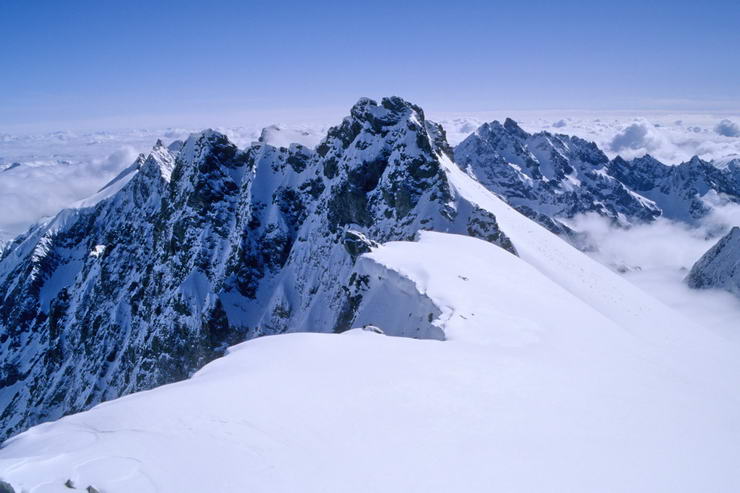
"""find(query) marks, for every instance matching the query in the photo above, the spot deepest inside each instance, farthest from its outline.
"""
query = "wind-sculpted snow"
(720, 266)
(200, 245)
(549, 177)
(550, 379)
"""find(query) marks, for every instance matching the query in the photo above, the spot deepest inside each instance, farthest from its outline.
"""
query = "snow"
(540, 386)
(670, 137)
(62, 277)
(285, 136)
(720, 266)
(97, 251)
(541, 371)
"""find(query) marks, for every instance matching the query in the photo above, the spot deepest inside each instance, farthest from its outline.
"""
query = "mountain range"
(549, 177)
(200, 245)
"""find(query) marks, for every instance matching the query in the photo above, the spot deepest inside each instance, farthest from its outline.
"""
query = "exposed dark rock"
(357, 243)
(719, 267)
(208, 245)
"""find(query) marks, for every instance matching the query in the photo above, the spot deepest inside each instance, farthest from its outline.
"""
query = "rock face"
(200, 245)
(720, 266)
(548, 177)
(679, 191)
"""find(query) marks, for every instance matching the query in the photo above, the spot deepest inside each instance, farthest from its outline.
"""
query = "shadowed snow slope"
(560, 379)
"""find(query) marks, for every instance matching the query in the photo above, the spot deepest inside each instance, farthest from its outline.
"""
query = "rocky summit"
(549, 177)
(720, 266)
(200, 245)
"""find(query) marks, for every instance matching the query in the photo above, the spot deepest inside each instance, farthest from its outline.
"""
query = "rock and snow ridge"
(720, 266)
(551, 364)
(541, 361)
(207, 245)
(549, 177)
(548, 174)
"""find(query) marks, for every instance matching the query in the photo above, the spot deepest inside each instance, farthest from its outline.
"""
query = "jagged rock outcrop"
(680, 191)
(720, 266)
(200, 245)
(548, 176)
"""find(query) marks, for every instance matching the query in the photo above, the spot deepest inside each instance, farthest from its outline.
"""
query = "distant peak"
(362, 107)
(646, 160)
(395, 103)
(391, 109)
(212, 134)
(697, 161)
(509, 127)
(513, 128)
(159, 161)
(12, 166)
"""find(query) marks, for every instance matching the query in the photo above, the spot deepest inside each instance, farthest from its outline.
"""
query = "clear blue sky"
(138, 62)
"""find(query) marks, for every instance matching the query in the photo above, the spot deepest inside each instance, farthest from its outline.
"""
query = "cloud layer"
(658, 256)
(669, 137)
(32, 190)
(40, 174)
(728, 128)
(60, 168)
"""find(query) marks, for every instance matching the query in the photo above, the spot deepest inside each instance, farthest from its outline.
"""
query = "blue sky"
(206, 63)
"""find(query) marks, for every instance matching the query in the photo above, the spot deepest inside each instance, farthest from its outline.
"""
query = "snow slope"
(205, 246)
(555, 375)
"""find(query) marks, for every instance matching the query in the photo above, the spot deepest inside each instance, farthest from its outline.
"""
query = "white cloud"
(559, 124)
(728, 128)
(60, 168)
(670, 137)
(638, 136)
(658, 256)
(41, 188)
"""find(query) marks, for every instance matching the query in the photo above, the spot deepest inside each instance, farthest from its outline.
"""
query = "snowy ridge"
(549, 177)
(684, 192)
(519, 352)
(720, 266)
(205, 245)
(527, 368)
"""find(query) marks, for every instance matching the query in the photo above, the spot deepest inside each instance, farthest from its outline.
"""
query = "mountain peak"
(159, 162)
(390, 111)
(509, 128)
(698, 162)
(545, 175)
(513, 128)
(719, 267)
